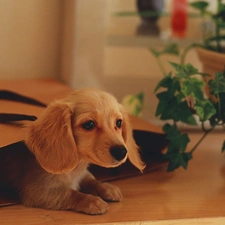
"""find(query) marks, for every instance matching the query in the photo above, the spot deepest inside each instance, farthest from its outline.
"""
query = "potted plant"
(181, 93)
(211, 51)
(182, 98)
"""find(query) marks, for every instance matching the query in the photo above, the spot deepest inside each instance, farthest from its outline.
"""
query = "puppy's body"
(36, 187)
(89, 126)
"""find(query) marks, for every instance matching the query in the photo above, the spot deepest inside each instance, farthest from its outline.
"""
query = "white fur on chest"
(73, 178)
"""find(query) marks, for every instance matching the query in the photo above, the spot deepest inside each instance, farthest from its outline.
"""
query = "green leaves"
(179, 140)
(193, 87)
(204, 109)
(218, 89)
(134, 103)
(218, 18)
(170, 83)
(221, 12)
(184, 71)
(184, 95)
(168, 49)
(171, 49)
(173, 102)
(171, 108)
(155, 52)
(181, 96)
(218, 85)
(179, 160)
(200, 5)
(176, 149)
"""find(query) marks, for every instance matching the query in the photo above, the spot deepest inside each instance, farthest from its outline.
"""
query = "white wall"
(67, 53)
(68, 39)
(117, 68)
(30, 38)
(90, 28)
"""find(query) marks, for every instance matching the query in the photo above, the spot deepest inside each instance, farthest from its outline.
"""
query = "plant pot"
(212, 62)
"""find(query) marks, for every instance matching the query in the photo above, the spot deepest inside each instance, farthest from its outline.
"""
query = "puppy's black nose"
(118, 152)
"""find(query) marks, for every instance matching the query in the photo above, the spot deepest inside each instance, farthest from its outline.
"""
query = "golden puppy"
(88, 126)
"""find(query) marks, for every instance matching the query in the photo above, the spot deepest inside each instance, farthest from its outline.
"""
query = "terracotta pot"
(212, 62)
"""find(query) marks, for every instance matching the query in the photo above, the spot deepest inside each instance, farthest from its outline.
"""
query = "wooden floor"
(181, 197)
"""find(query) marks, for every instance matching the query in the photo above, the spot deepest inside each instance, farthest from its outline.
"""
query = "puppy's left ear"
(133, 149)
(51, 139)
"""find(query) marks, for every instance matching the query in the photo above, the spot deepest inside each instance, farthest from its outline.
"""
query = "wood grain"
(157, 196)
(193, 196)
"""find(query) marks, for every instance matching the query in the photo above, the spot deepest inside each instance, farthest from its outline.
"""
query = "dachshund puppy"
(88, 126)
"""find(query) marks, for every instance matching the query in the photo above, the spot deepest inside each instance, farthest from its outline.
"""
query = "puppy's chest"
(73, 178)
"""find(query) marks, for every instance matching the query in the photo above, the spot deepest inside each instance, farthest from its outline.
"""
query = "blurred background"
(86, 43)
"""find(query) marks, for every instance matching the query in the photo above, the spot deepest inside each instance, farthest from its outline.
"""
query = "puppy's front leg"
(105, 190)
(65, 199)
(87, 203)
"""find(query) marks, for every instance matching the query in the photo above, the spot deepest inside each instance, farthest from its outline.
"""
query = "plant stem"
(219, 106)
(161, 66)
(185, 52)
(200, 140)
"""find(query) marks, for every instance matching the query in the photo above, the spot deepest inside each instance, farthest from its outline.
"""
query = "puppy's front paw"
(109, 192)
(92, 205)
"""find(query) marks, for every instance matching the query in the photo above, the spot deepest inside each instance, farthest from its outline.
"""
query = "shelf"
(132, 32)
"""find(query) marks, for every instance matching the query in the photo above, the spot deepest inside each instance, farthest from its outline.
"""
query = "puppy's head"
(88, 125)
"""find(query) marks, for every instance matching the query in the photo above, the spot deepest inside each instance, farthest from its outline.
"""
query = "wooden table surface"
(192, 196)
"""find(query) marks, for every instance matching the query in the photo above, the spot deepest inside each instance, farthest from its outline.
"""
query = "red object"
(179, 17)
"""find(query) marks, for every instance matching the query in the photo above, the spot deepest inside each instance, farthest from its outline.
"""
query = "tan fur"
(57, 177)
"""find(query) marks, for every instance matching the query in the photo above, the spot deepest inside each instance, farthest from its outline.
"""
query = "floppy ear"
(133, 149)
(51, 140)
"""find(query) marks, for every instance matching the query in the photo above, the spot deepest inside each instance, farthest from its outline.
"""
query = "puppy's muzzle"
(118, 152)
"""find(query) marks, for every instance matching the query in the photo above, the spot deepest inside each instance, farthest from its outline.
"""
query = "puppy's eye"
(119, 123)
(89, 125)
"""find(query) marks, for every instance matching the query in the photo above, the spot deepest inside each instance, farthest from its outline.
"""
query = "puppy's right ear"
(51, 139)
(133, 149)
